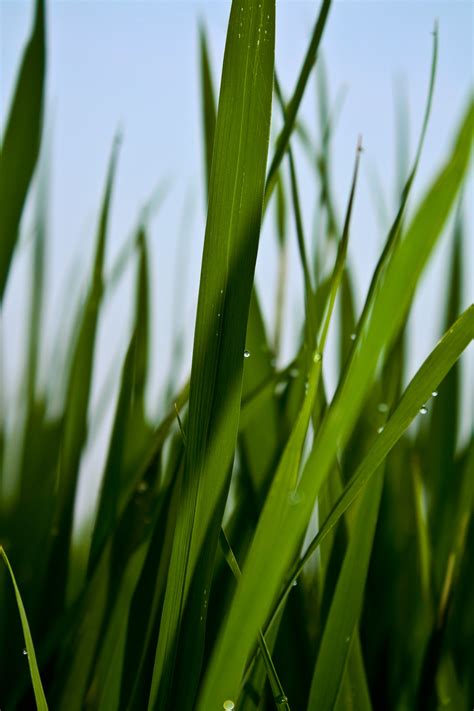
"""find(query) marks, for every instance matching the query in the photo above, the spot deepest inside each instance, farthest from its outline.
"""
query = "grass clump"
(199, 587)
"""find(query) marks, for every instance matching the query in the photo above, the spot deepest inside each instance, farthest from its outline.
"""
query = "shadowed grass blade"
(30, 650)
(21, 141)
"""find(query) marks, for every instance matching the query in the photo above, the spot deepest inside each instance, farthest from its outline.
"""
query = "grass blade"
(21, 140)
(30, 650)
(230, 248)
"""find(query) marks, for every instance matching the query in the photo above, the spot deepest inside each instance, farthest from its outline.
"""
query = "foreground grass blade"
(278, 532)
(230, 249)
(30, 650)
(21, 141)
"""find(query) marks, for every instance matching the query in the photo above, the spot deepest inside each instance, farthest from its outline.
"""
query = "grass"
(206, 583)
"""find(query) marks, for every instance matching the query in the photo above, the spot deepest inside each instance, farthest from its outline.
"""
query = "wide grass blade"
(29, 647)
(230, 249)
(21, 140)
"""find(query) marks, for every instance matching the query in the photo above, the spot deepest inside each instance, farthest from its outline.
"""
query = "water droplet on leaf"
(246, 354)
(423, 410)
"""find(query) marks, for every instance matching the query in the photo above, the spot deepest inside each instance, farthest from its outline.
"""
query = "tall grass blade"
(230, 249)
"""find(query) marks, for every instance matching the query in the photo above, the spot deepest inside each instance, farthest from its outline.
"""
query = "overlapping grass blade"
(427, 379)
(279, 531)
(295, 101)
(21, 140)
(283, 494)
(75, 424)
(230, 248)
(29, 647)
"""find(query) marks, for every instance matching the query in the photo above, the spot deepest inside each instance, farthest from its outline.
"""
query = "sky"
(134, 67)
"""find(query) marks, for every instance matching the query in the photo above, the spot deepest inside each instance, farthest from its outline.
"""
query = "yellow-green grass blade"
(277, 536)
(30, 650)
(428, 378)
(77, 400)
(21, 140)
(230, 247)
(295, 101)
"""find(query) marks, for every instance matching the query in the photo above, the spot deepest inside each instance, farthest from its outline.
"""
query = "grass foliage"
(208, 581)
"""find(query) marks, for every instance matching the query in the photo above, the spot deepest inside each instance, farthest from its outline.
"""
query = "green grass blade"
(208, 103)
(30, 650)
(75, 426)
(346, 604)
(295, 101)
(21, 140)
(129, 431)
(230, 247)
(427, 379)
(275, 683)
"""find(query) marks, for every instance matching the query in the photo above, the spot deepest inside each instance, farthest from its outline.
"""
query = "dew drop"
(434, 393)
(25, 653)
(316, 357)
(423, 410)
(281, 699)
(352, 336)
(229, 705)
(380, 429)
(348, 639)
(246, 354)
(382, 407)
(294, 583)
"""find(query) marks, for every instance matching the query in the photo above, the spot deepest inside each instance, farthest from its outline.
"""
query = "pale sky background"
(135, 65)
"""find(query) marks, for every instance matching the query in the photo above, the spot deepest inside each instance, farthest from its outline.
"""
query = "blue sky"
(134, 65)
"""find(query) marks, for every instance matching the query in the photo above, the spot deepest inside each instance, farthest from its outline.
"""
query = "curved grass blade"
(30, 650)
(230, 248)
(427, 379)
(21, 140)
